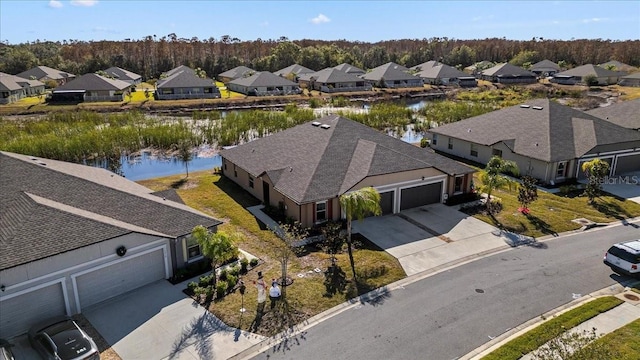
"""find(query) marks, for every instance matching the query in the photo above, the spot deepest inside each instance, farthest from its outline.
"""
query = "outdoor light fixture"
(2, 288)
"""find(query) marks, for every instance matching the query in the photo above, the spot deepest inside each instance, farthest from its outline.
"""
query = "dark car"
(5, 350)
(60, 338)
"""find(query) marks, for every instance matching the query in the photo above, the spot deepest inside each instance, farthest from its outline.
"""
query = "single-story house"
(264, 83)
(442, 74)
(124, 75)
(476, 68)
(303, 170)
(508, 74)
(91, 87)
(29, 86)
(185, 84)
(619, 67)
(72, 236)
(630, 80)
(10, 91)
(45, 73)
(292, 72)
(625, 113)
(392, 75)
(547, 140)
(350, 69)
(175, 70)
(332, 80)
(424, 66)
(578, 74)
(235, 73)
(545, 68)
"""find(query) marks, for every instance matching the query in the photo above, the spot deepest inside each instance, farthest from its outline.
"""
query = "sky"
(364, 20)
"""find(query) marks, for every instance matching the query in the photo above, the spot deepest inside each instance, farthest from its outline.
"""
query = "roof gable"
(350, 69)
(237, 72)
(293, 69)
(545, 65)
(122, 74)
(40, 72)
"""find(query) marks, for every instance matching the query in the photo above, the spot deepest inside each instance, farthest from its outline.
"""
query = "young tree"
(356, 205)
(492, 177)
(185, 153)
(218, 247)
(291, 236)
(333, 240)
(596, 171)
(527, 193)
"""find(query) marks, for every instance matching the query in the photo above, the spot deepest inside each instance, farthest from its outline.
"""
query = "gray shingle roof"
(348, 68)
(40, 72)
(588, 69)
(390, 72)
(620, 66)
(554, 133)
(184, 79)
(178, 69)
(308, 163)
(441, 71)
(425, 65)
(263, 78)
(22, 81)
(294, 69)
(9, 84)
(332, 76)
(93, 82)
(507, 69)
(545, 65)
(122, 74)
(50, 207)
(625, 114)
(237, 72)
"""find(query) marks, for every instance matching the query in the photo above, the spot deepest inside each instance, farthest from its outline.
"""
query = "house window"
(450, 146)
(458, 184)
(193, 249)
(251, 181)
(474, 150)
(321, 211)
(496, 152)
(434, 141)
(561, 171)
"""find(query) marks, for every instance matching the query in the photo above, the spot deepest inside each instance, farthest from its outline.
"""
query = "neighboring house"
(350, 69)
(545, 68)
(292, 72)
(303, 170)
(630, 80)
(625, 113)
(442, 74)
(508, 74)
(10, 91)
(185, 84)
(476, 68)
(72, 236)
(619, 67)
(124, 75)
(579, 74)
(29, 86)
(547, 140)
(235, 73)
(392, 75)
(332, 80)
(181, 68)
(263, 83)
(424, 66)
(45, 73)
(91, 87)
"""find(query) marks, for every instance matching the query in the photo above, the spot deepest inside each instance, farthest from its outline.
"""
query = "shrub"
(231, 281)
(424, 142)
(223, 274)
(590, 80)
(204, 281)
(235, 270)
(314, 103)
(567, 189)
(253, 262)
(192, 285)
(221, 289)
(244, 264)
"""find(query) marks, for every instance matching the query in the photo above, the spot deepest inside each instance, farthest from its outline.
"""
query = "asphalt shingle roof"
(178, 69)
(425, 65)
(625, 114)
(22, 81)
(9, 84)
(390, 72)
(588, 69)
(441, 71)
(545, 65)
(237, 72)
(184, 79)
(50, 207)
(263, 78)
(308, 163)
(332, 75)
(293, 69)
(553, 133)
(93, 82)
(122, 74)
(348, 68)
(40, 72)
(507, 69)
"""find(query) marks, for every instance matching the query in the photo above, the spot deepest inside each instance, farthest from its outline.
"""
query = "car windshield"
(69, 340)
(624, 255)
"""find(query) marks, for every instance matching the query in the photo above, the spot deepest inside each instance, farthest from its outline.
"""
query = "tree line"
(152, 55)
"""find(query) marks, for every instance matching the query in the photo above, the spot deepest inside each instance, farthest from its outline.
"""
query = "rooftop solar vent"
(525, 106)
(315, 123)
(325, 126)
(537, 107)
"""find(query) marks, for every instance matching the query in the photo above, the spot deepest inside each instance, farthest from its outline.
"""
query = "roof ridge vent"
(315, 123)
(325, 126)
(537, 108)
(525, 106)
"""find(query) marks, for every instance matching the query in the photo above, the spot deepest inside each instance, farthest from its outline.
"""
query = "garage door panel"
(420, 195)
(21, 312)
(627, 164)
(121, 277)
(386, 202)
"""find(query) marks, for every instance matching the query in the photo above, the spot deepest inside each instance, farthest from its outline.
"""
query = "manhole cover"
(632, 297)
(480, 291)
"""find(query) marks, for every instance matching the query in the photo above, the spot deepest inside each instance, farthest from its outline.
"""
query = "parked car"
(624, 258)
(60, 338)
(5, 350)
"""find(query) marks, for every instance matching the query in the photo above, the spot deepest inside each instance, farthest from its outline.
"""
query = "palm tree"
(358, 204)
(492, 177)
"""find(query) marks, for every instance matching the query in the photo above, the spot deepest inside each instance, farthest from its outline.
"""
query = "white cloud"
(594, 20)
(55, 4)
(83, 2)
(264, 24)
(320, 19)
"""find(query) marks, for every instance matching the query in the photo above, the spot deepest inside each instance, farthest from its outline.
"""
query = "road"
(447, 315)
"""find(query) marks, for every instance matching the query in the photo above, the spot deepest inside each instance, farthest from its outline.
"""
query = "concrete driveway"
(624, 186)
(430, 236)
(158, 321)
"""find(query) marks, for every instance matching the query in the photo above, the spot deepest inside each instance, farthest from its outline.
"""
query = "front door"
(265, 193)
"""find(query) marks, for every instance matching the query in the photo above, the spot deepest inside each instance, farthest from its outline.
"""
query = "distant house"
(10, 91)
(392, 75)
(545, 68)
(350, 69)
(630, 80)
(476, 68)
(29, 86)
(124, 75)
(424, 66)
(183, 83)
(625, 113)
(45, 73)
(442, 74)
(235, 73)
(508, 74)
(91, 87)
(621, 68)
(292, 72)
(332, 80)
(263, 83)
(181, 68)
(547, 140)
(578, 75)
(304, 169)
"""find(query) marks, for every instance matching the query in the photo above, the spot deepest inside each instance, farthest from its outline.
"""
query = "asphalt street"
(447, 315)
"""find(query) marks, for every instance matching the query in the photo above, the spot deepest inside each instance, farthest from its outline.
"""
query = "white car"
(624, 258)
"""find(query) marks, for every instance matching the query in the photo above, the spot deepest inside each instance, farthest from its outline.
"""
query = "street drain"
(630, 297)
(480, 291)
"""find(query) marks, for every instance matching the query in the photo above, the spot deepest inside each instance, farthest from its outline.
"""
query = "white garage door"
(19, 313)
(123, 275)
